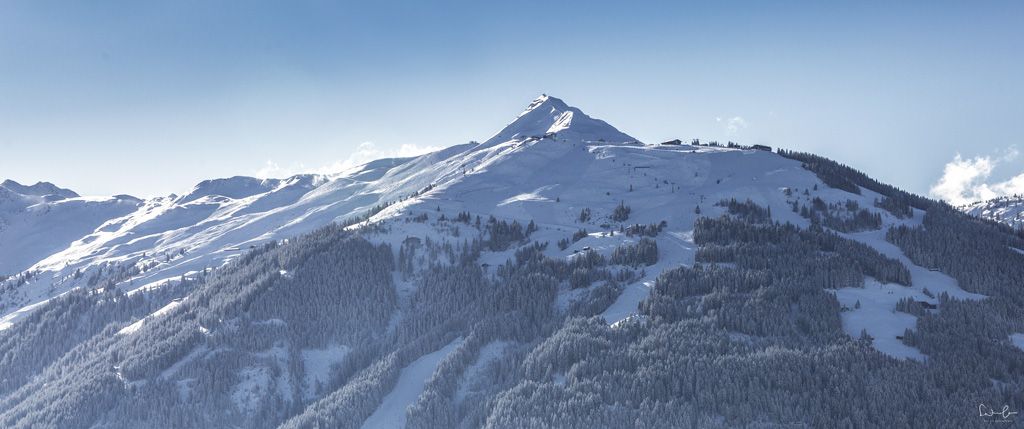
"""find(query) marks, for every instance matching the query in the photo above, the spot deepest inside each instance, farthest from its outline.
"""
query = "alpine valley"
(559, 274)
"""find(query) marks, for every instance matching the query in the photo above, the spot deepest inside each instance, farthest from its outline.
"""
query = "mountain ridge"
(40, 189)
(1008, 210)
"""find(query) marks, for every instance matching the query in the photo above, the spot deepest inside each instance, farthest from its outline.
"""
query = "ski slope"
(411, 380)
(877, 313)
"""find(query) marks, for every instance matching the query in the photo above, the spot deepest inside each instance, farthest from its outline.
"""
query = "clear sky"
(149, 98)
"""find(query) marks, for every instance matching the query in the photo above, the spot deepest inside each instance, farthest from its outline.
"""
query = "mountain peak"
(545, 101)
(552, 117)
(40, 189)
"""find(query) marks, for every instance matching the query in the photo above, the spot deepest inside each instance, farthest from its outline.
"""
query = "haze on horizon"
(149, 99)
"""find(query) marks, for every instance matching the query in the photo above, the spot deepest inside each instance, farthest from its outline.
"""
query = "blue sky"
(149, 98)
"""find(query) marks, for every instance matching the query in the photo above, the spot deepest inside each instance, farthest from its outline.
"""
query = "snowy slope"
(411, 380)
(167, 237)
(134, 327)
(1008, 210)
(546, 166)
(317, 364)
(40, 189)
(39, 220)
(872, 308)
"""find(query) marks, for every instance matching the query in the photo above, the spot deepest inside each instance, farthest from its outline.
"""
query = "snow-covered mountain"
(46, 190)
(550, 117)
(559, 274)
(210, 224)
(1008, 210)
(39, 220)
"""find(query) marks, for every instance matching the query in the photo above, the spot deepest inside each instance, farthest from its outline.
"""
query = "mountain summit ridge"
(549, 116)
(40, 189)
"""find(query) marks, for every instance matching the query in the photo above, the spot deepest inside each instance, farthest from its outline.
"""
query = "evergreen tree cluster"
(648, 230)
(564, 243)
(978, 253)
(898, 205)
(729, 240)
(747, 211)
(644, 252)
(844, 217)
(841, 176)
(621, 212)
(502, 234)
(584, 215)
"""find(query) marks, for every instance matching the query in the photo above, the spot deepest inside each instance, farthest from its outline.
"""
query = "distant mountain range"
(40, 220)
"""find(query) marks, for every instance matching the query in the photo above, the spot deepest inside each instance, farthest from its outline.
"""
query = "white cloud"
(271, 169)
(366, 152)
(967, 180)
(733, 125)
